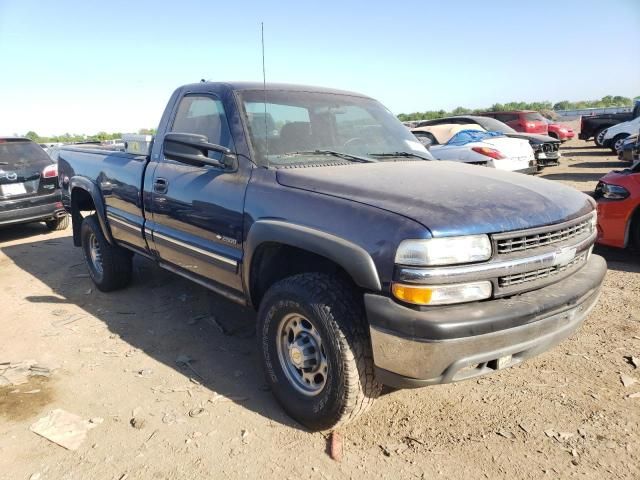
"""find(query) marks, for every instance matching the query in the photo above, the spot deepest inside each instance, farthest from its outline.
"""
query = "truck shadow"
(164, 316)
(605, 164)
(591, 153)
(17, 232)
(622, 260)
(574, 177)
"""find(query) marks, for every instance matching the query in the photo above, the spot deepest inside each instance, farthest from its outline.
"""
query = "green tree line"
(76, 138)
(545, 107)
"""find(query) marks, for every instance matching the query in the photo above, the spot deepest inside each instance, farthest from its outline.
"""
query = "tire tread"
(340, 302)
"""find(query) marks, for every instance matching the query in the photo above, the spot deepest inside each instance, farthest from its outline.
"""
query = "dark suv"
(29, 190)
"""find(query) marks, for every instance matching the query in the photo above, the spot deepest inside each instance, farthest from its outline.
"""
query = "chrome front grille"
(523, 242)
(518, 278)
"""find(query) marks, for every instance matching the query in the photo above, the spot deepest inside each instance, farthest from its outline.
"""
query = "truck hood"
(448, 198)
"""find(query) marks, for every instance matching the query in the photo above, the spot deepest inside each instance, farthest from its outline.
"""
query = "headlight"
(594, 221)
(614, 192)
(444, 251)
(442, 294)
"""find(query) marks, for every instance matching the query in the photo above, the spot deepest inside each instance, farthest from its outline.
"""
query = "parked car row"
(614, 137)
(546, 150)
(609, 128)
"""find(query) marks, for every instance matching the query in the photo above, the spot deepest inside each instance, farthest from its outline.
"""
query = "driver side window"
(203, 115)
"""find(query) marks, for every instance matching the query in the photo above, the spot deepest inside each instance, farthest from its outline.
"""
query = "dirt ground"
(564, 414)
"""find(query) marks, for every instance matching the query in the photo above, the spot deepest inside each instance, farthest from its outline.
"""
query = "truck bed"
(119, 177)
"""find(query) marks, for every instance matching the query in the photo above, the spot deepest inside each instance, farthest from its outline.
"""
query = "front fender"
(355, 260)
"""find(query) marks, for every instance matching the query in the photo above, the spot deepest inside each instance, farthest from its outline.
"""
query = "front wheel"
(109, 265)
(316, 350)
(618, 140)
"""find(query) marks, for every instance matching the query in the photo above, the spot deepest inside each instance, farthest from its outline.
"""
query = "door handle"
(160, 185)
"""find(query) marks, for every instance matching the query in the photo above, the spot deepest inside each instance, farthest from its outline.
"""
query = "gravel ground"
(564, 414)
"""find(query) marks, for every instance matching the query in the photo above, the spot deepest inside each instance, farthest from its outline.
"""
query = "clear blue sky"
(83, 66)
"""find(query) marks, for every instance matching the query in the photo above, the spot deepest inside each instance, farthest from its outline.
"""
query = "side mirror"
(194, 149)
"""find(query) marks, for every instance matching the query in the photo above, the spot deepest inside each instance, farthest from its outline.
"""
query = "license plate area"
(12, 189)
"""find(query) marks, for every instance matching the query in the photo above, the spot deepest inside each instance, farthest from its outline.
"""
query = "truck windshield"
(301, 128)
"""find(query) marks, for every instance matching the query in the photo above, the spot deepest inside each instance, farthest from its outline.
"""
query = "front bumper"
(547, 159)
(414, 348)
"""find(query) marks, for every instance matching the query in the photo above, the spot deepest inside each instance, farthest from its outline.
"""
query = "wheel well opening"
(80, 201)
(273, 262)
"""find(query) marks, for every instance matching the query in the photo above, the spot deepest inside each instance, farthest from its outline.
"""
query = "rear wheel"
(316, 350)
(109, 265)
(60, 223)
(598, 137)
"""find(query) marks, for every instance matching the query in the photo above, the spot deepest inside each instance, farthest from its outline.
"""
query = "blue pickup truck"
(368, 264)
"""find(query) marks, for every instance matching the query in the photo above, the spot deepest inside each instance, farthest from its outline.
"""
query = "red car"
(560, 131)
(528, 121)
(618, 198)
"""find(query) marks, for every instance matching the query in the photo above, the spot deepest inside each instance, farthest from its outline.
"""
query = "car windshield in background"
(493, 125)
(317, 128)
(534, 117)
(22, 156)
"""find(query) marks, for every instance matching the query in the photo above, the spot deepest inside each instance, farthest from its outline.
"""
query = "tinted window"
(533, 117)
(20, 156)
(493, 125)
(203, 115)
(506, 117)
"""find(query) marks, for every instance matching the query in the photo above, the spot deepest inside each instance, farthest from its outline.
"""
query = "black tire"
(60, 223)
(115, 262)
(614, 140)
(596, 134)
(334, 309)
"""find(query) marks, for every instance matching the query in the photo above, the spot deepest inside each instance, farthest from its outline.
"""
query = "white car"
(460, 143)
(614, 136)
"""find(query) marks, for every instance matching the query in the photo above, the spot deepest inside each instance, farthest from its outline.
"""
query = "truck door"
(197, 212)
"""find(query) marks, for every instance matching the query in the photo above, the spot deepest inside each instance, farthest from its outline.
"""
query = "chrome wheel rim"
(95, 255)
(301, 354)
(618, 145)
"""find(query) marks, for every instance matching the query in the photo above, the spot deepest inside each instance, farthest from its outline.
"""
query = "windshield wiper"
(346, 156)
(398, 154)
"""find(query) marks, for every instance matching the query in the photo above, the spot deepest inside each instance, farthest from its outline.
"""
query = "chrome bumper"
(414, 348)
